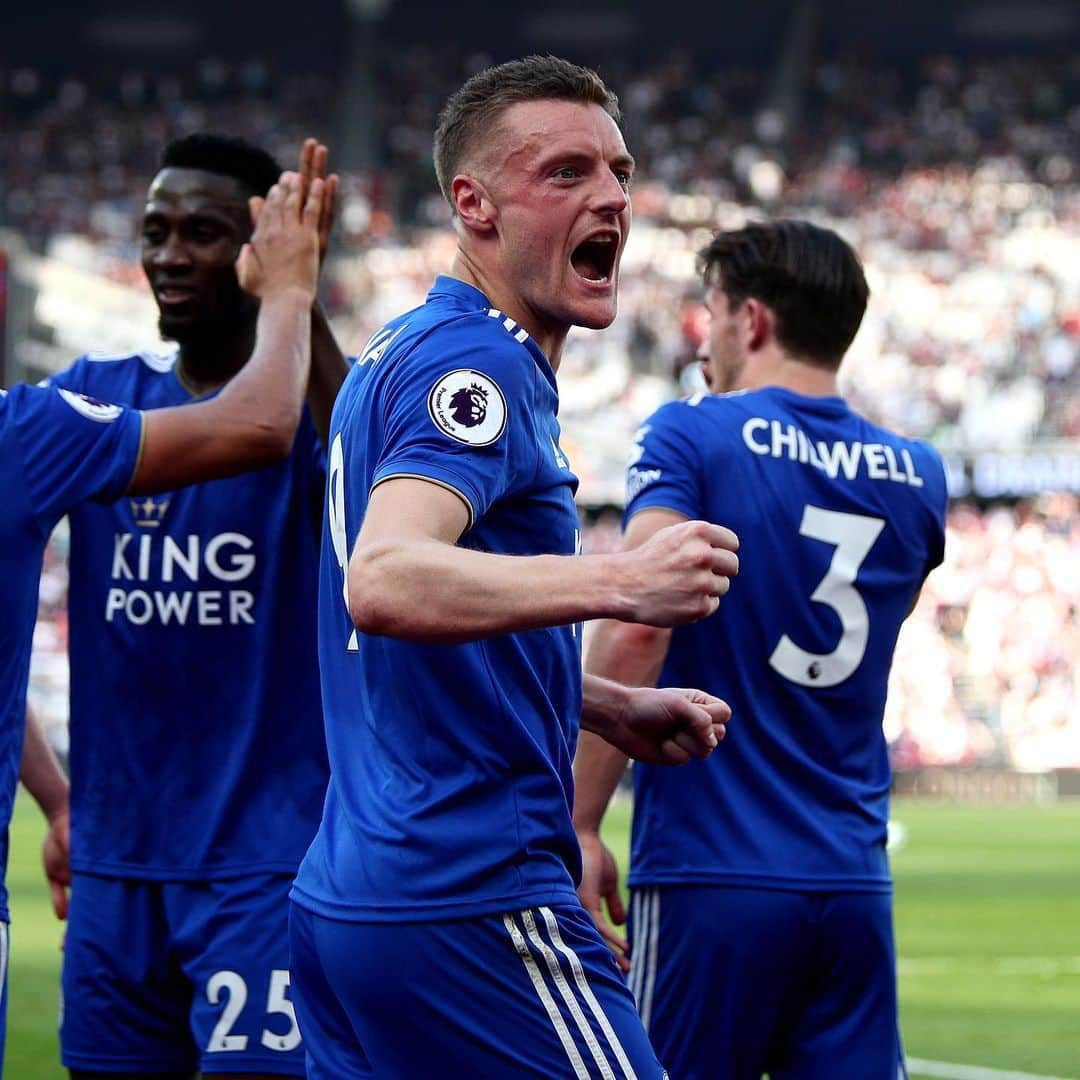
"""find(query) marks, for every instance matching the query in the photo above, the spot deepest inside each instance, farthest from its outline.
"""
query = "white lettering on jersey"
(771, 438)
(146, 558)
(560, 460)
(379, 343)
(637, 480)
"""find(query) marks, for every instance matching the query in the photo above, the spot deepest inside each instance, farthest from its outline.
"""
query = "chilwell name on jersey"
(876, 461)
(155, 560)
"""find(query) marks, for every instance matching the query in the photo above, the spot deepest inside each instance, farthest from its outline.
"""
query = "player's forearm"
(598, 767)
(629, 653)
(328, 371)
(439, 593)
(251, 423)
(265, 398)
(40, 772)
(621, 655)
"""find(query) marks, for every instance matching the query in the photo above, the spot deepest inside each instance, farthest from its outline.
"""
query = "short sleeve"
(457, 412)
(73, 448)
(663, 468)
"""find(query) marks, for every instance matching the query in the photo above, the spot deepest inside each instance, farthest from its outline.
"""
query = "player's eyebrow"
(584, 158)
(218, 214)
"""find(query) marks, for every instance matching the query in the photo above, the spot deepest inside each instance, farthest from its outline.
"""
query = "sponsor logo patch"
(91, 408)
(468, 406)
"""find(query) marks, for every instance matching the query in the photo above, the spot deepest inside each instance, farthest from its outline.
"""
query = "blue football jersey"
(196, 730)
(839, 522)
(451, 785)
(56, 450)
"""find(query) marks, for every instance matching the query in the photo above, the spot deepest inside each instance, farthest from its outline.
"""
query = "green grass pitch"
(988, 927)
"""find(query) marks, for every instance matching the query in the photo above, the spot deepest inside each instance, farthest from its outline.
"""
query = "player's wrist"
(617, 584)
(56, 809)
(285, 293)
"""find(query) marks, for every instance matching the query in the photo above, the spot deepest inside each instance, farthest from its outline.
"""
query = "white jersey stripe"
(556, 1018)
(522, 336)
(652, 913)
(639, 945)
(567, 995)
(587, 993)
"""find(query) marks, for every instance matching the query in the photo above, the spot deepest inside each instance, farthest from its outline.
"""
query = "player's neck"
(204, 366)
(549, 340)
(798, 376)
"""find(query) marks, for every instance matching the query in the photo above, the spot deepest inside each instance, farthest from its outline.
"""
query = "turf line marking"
(1011, 965)
(942, 1070)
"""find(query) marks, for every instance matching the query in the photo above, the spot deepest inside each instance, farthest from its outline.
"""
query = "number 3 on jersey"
(335, 512)
(853, 536)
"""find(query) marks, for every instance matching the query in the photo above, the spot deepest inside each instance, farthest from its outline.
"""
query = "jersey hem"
(196, 873)
(761, 881)
(133, 1065)
(428, 912)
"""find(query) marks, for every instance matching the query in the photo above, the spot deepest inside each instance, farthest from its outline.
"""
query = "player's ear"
(472, 204)
(758, 323)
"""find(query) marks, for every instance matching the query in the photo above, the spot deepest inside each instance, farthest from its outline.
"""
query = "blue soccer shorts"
(531, 993)
(178, 976)
(737, 982)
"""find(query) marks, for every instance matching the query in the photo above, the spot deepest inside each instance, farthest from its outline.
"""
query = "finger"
(719, 711)
(59, 899)
(272, 204)
(307, 162)
(293, 207)
(695, 740)
(616, 911)
(619, 944)
(720, 537)
(329, 206)
(724, 562)
(693, 744)
(720, 732)
(255, 205)
(720, 585)
(671, 753)
(319, 158)
(312, 212)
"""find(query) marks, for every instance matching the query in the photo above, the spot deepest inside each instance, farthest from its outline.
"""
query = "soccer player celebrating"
(198, 761)
(760, 916)
(435, 928)
(59, 448)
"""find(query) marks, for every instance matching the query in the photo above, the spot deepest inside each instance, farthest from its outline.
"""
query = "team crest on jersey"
(91, 408)
(468, 406)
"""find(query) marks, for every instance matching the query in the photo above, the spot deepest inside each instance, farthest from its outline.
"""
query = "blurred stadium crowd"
(957, 181)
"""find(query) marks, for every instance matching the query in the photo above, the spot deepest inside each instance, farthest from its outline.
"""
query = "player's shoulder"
(101, 369)
(442, 340)
(48, 403)
(699, 411)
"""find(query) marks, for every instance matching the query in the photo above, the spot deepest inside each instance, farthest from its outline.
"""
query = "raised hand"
(679, 574)
(312, 166)
(283, 252)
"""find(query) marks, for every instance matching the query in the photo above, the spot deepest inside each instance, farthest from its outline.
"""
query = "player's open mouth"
(594, 259)
(174, 294)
